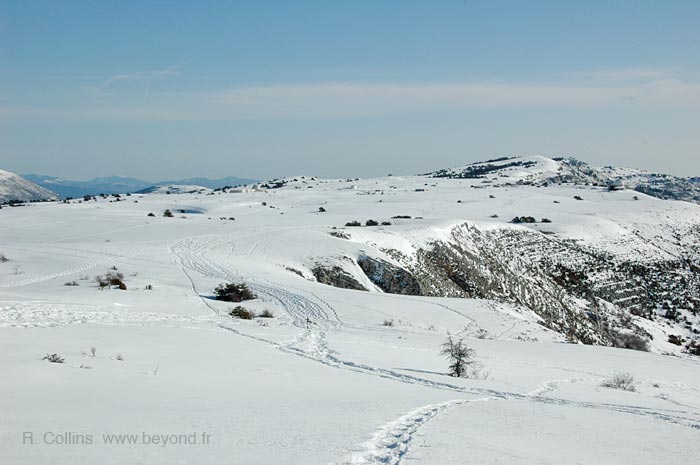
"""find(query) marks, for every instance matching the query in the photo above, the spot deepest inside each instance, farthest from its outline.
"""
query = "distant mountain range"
(121, 185)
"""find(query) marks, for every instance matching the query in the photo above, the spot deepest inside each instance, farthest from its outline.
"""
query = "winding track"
(392, 440)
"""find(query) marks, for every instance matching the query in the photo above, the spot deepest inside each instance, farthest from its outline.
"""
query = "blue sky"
(263, 89)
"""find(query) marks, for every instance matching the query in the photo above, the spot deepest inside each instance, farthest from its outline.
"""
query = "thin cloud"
(352, 99)
(628, 74)
(139, 76)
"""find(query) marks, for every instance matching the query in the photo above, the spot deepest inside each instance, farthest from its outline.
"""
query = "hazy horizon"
(358, 89)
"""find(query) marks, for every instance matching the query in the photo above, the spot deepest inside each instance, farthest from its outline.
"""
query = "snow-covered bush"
(631, 341)
(620, 380)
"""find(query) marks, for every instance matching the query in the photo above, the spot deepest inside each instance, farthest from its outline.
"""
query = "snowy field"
(324, 381)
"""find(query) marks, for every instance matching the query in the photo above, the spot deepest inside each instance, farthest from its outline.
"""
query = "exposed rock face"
(389, 278)
(621, 293)
(337, 277)
(589, 295)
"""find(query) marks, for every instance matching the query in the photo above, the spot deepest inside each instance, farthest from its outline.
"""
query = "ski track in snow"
(390, 443)
(49, 314)
(105, 258)
(312, 343)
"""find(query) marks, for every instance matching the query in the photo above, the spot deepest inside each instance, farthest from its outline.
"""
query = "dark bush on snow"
(371, 223)
(111, 278)
(232, 292)
(523, 219)
(54, 358)
(353, 223)
(242, 313)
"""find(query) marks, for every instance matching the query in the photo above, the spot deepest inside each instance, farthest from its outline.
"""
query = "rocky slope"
(543, 171)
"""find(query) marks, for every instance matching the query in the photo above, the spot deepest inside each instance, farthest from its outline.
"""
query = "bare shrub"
(462, 358)
(388, 323)
(620, 380)
(3, 258)
(266, 314)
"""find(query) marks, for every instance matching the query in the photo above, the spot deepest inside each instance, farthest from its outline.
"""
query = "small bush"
(620, 380)
(168, 214)
(402, 217)
(54, 358)
(232, 292)
(386, 223)
(353, 223)
(673, 339)
(266, 314)
(321, 210)
(577, 197)
(242, 313)
(149, 287)
(72, 283)
(371, 223)
(546, 220)
(388, 323)
(3, 258)
(151, 214)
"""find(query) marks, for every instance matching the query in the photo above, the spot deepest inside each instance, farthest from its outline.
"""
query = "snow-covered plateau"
(553, 273)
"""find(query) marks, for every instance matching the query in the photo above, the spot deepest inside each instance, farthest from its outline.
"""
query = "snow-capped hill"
(14, 187)
(539, 170)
